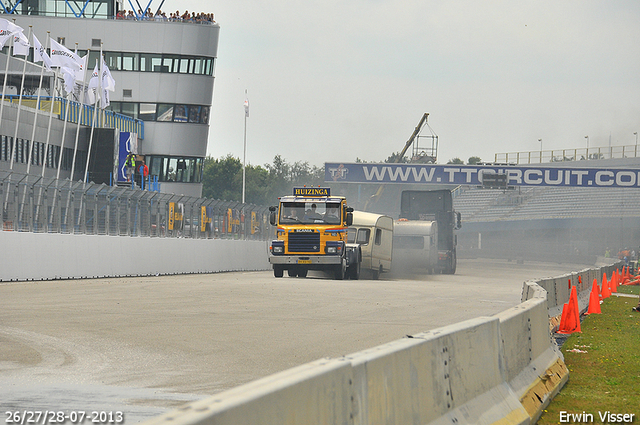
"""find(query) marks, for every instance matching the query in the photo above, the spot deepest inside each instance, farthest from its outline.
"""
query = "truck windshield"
(310, 213)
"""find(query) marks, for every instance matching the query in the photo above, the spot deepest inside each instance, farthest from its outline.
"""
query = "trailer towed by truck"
(374, 234)
(435, 205)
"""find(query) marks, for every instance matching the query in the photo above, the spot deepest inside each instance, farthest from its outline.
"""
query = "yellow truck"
(311, 234)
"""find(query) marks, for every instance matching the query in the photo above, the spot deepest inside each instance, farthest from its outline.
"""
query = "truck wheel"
(451, 267)
(354, 271)
(302, 273)
(278, 271)
(292, 272)
(339, 272)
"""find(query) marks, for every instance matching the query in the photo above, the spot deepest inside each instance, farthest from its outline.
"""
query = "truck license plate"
(304, 261)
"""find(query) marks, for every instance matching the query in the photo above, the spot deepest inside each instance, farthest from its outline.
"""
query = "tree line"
(222, 177)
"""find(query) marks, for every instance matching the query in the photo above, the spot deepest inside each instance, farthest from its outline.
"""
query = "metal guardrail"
(48, 205)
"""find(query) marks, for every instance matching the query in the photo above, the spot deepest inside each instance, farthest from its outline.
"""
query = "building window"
(130, 62)
(147, 112)
(176, 169)
(180, 113)
(163, 112)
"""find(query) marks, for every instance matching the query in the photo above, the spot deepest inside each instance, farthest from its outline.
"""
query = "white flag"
(92, 88)
(40, 53)
(69, 76)
(7, 29)
(104, 101)
(20, 44)
(108, 83)
(246, 107)
(63, 57)
(80, 72)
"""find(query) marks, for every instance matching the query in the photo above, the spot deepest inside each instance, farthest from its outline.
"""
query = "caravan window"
(359, 236)
(378, 236)
(363, 236)
(408, 242)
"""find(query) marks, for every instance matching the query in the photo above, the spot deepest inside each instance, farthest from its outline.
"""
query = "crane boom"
(374, 198)
(413, 136)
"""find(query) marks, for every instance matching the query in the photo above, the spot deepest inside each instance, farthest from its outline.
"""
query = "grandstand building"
(164, 73)
(550, 223)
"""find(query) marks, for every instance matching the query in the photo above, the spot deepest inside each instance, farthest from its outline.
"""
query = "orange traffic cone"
(605, 292)
(613, 285)
(570, 321)
(562, 327)
(627, 276)
(594, 299)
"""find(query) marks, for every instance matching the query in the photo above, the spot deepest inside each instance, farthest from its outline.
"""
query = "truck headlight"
(333, 248)
(277, 247)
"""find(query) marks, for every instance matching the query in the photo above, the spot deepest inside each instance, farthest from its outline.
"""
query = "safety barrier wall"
(485, 370)
(559, 288)
(504, 368)
(41, 256)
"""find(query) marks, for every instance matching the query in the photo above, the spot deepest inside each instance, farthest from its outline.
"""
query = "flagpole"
(75, 148)
(35, 119)
(95, 112)
(33, 131)
(46, 145)
(244, 157)
(80, 109)
(4, 90)
(6, 74)
(52, 96)
(24, 71)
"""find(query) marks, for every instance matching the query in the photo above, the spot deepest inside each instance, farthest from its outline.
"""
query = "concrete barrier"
(38, 256)
(319, 392)
(501, 369)
(533, 364)
(559, 288)
(448, 375)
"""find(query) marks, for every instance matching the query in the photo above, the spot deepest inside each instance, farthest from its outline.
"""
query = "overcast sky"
(332, 81)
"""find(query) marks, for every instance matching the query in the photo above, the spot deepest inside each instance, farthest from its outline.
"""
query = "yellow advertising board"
(204, 220)
(172, 210)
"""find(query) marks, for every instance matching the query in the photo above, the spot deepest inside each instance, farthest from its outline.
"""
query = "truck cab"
(311, 234)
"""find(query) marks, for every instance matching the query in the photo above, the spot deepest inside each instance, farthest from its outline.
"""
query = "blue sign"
(472, 175)
(128, 143)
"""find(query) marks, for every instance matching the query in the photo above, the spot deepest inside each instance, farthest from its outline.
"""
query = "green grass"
(607, 376)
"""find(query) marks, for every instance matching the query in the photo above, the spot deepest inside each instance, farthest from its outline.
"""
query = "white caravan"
(415, 245)
(374, 234)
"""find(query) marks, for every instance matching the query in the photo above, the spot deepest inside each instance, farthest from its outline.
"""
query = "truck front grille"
(304, 242)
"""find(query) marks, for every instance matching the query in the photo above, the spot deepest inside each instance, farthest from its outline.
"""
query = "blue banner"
(472, 175)
(128, 143)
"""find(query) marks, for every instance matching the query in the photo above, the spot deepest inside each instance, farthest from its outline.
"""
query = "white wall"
(34, 256)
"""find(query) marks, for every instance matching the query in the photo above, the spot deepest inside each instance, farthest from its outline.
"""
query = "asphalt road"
(145, 345)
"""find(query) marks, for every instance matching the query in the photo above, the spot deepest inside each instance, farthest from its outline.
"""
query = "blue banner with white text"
(454, 174)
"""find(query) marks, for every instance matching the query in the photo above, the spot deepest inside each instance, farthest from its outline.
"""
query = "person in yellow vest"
(129, 165)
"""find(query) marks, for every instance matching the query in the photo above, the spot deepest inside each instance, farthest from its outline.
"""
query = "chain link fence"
(48, 205)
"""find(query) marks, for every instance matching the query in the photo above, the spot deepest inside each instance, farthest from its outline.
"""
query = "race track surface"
(145, 345)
